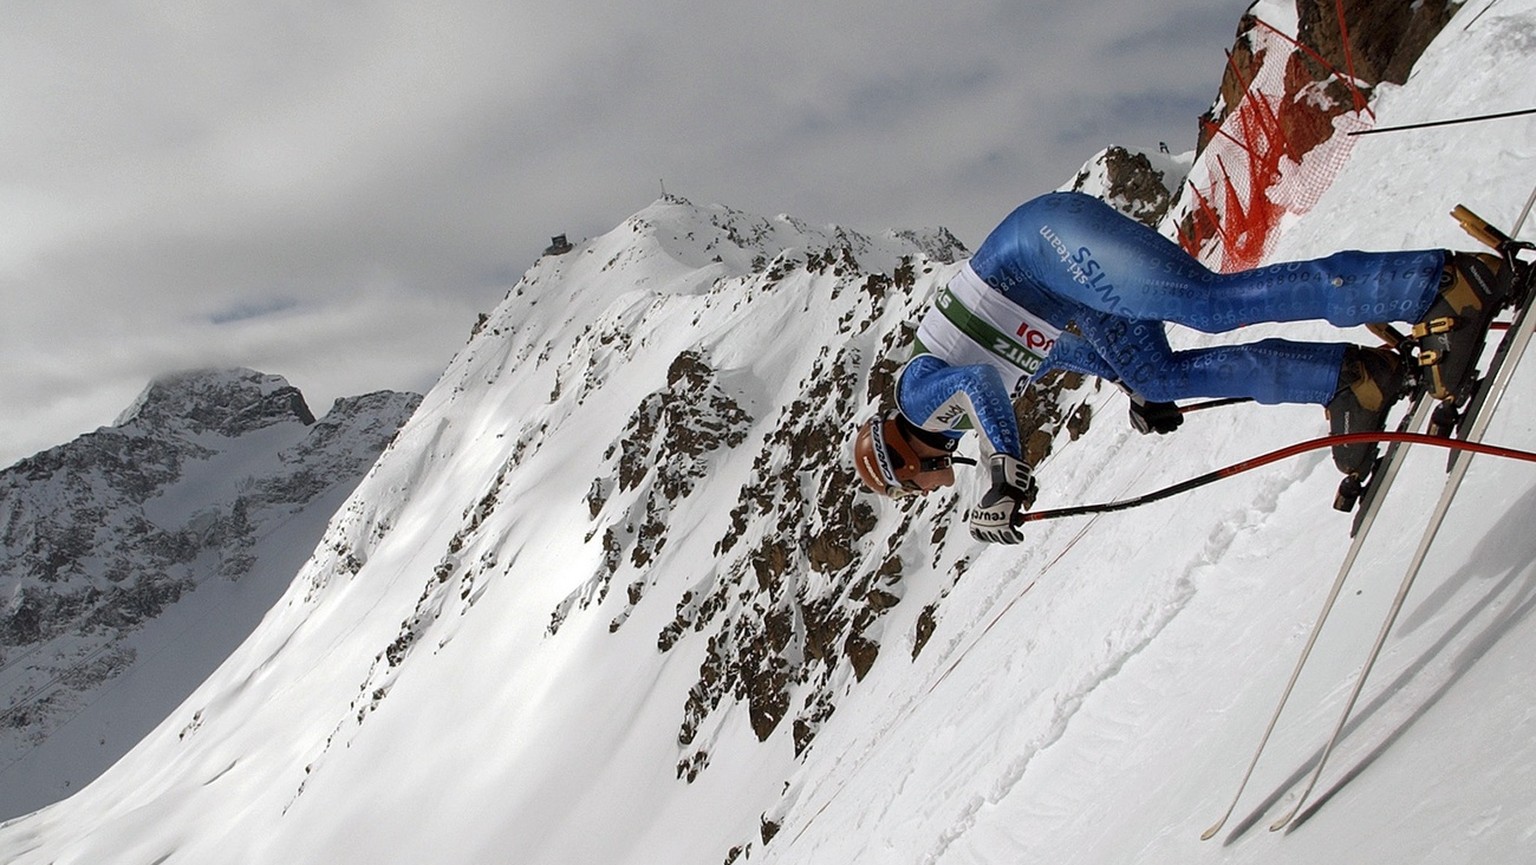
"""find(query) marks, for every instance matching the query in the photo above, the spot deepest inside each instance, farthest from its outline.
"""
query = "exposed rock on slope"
(1140, 185)
(1383, 42)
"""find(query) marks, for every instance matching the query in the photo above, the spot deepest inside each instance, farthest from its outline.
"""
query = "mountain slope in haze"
(674, 392)
(207, 478)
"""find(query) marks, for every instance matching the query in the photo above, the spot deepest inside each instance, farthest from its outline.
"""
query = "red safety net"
(1275, 154)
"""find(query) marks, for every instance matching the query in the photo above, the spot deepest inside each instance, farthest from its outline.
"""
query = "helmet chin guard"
(895, 458)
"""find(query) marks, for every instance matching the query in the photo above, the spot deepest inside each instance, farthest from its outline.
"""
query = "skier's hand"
(1013, 490)
(1154, 417)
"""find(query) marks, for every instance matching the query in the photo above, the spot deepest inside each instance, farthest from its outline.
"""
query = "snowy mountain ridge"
(207, 477)
(694, 341)
(613, 594)
(229, 402)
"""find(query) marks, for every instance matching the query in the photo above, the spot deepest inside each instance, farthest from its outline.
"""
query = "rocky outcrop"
(665, 449)
(1131, 182)
(1282, 126)
(1383, 40)
(1375, 43)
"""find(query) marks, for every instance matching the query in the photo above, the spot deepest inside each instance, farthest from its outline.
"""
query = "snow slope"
(595, 565)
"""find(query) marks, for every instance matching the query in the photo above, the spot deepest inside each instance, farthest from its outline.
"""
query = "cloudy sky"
(331, 190)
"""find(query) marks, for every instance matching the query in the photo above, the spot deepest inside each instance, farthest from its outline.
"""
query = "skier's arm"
(939, 397)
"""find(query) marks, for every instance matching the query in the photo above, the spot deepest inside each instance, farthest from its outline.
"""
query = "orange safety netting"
(1275, 154)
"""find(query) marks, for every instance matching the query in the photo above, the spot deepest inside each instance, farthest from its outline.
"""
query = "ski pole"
(1214, 403)
(1272, 457)
(1448, 122)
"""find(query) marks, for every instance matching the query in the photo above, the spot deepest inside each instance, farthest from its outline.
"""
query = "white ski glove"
(1013, 489)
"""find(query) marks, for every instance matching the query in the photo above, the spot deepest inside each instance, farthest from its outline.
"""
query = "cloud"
(255, 309)
(275, 185)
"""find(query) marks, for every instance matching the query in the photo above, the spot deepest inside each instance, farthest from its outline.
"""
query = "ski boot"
(1473, 288)
(1370, 381)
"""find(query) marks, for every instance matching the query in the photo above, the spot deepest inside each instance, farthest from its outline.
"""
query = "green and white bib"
(971, 322)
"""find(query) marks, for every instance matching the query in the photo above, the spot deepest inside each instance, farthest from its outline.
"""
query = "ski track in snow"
(1032, 571)
(1159, 612)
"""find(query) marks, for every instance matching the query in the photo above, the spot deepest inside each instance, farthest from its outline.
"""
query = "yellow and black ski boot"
(1370, 382)
(1473, 288)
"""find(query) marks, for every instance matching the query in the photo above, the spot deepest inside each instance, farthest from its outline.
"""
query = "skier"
(1067, 282)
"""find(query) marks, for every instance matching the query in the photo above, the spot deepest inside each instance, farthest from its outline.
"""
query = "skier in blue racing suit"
(1067, 260)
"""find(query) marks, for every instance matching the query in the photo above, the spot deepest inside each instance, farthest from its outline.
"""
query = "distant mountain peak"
(227, 402)
(209, 478)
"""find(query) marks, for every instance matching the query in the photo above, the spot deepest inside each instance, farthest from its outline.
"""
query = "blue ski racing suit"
(1070, 260)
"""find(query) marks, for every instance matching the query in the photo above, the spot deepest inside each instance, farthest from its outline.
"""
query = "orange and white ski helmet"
(893, 458)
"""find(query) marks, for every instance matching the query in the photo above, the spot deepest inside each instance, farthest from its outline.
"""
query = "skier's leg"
(1357, 386)
(1345, 289)
(1080, 249)
(1269, 371)
(1075, 354)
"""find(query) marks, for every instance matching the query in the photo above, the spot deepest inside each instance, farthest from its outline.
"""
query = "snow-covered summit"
(227, 402)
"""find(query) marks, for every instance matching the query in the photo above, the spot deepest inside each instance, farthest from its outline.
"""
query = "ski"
(1381, 478)
(1369, 495)
(1472, 423)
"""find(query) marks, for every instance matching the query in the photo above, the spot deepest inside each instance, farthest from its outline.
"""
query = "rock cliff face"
(1297, 87)
(1141, 185)
(102, 535)
(1374, 43)
(1377, 41)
